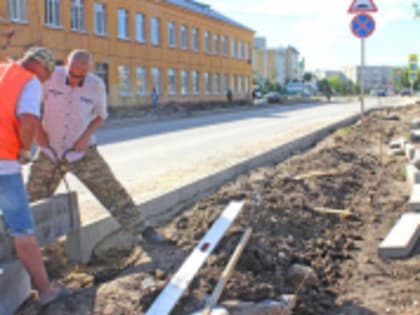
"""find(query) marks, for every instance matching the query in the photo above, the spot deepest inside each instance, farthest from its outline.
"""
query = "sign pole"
(362, 78)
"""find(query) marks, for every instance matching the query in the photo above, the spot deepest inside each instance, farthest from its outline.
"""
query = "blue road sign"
(363, 25)
(413, 76)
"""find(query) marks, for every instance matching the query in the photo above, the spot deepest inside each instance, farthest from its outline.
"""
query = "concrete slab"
(54, 217)
(402, 238)
(409, 151)
(415, 124)
(414, 202)
(415, 135)
(15, 287)
(397, 144)
(412, 175)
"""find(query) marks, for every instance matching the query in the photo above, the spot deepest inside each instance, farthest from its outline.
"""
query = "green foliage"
(404, 79)
(307, 76)
(342, 132)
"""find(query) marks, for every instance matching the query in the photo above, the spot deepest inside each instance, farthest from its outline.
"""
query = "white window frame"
(155, 31)
(184, 36)
(172, 86)
(99, 18)
(141, 81)
(247, 51)
(123, 23)
(77, 15)
(140, 28)
(246, 84)
(216, 83)
(216, 44)
(207, 39)
(195, 78)
(225, 44)
(124, 77)
(240, 90)
(194, 39)
(184, 82)
(52, 7)
(233, 47)
(207, 83)
(157, 80)
(225, 83)
(171, 34)
(18, 11)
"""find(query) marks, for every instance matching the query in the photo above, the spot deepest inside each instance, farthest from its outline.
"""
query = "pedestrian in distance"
(21, 94)
(155, 97)
(75, 107)
(229, 96)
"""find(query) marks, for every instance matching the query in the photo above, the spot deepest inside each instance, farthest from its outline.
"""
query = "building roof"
(205, 9)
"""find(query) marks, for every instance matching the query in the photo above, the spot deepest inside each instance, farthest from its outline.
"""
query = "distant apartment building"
(270, 64)
(184, 49)
(292, 63)
(373, 76)
(260, 43)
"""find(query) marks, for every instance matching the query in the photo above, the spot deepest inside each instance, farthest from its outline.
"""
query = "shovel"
(217, 292)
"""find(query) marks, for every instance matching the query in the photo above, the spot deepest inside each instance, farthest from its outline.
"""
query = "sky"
(320, 30)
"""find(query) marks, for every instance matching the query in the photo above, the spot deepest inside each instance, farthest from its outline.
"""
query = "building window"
(225, 41)
(194, 39)
(140, 31)
(233, 48)
(233, 83)
(17, 10)
(122, 24)
(184, 82)
(141, 81)
(216, 82)
(195, 77)
(246, 51)
(240, 48)
(102, 72)
(240, 84)
(125, 82)
(225, 83)
(100, 19)
(155, 29)
(247, 84)
(216, 44)
(184, 37)
(207, 83)
(207, 42)
(52, 13)
(172, 82)
(77, 15)
(171, 34)
(156, 80)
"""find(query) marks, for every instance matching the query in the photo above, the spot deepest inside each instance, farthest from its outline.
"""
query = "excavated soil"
(329, 260)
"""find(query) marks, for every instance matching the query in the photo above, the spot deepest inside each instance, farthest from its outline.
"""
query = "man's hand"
(83, 144)
(24, 156)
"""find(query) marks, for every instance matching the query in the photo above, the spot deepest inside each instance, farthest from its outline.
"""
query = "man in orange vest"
(20, 101)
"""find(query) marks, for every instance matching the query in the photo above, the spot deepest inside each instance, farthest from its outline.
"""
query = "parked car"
(405, 92)
(273, 97)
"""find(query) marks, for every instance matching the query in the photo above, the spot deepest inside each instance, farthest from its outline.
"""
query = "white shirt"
(68, 111)
(29, 103)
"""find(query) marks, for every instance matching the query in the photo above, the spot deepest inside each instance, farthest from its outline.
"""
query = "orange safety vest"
(13, 78)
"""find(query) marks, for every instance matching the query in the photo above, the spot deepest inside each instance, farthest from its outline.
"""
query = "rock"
(297, 273)
(269, 307)
(118, 241)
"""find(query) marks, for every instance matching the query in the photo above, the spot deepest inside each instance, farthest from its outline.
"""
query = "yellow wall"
(109, 49)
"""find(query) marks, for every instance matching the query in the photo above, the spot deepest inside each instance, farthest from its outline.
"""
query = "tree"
(307, 77)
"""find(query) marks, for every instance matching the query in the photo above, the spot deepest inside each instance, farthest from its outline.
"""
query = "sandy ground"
(329, 260)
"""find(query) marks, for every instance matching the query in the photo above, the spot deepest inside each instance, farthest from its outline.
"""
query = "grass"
(342, 132)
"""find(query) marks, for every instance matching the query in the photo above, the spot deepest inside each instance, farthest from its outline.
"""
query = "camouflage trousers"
(94, 172)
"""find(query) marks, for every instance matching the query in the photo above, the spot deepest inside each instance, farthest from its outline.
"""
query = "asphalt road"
(153, 158)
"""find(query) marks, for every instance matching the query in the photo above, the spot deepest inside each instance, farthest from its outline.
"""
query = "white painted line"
(168, 298)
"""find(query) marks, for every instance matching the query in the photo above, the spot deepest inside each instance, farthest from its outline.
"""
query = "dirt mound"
(328, 259)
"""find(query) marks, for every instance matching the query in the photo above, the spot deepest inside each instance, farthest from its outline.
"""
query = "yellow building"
(185, 49)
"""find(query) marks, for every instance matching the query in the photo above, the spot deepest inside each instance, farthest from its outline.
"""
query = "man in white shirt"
(75, 106)
(21, 91)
